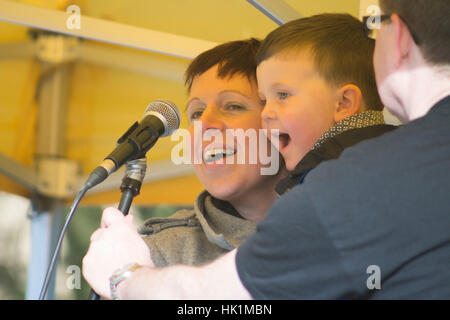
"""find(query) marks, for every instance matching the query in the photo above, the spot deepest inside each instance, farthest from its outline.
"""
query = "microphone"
(160, 119)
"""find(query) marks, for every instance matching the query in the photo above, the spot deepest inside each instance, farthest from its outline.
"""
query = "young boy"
(316, 78)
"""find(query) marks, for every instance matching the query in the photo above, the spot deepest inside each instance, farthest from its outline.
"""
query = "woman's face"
(228, 168)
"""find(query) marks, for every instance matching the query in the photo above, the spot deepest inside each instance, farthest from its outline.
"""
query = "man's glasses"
(371, 25)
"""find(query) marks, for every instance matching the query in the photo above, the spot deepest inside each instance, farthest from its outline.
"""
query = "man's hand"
(115, 244)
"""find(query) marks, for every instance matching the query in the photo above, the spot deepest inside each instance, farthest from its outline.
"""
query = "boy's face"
(298, 102)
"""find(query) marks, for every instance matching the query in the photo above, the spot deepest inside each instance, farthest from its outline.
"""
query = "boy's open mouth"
(284, 139)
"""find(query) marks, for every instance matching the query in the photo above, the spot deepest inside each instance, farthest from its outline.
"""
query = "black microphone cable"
(51, 267)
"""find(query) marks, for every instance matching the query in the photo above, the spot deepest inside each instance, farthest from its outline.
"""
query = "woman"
(223, 96)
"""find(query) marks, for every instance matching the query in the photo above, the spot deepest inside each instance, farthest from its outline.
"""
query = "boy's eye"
(283, 95)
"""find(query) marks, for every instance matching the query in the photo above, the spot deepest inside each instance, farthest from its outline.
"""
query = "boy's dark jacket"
(329, 149)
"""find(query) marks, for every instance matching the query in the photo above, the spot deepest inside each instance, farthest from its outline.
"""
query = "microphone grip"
(125, 201)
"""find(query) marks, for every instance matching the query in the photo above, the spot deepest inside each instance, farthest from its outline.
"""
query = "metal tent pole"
(57, 176)
(276, 10)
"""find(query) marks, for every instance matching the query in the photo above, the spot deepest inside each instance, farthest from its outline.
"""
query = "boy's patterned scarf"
(358, 120)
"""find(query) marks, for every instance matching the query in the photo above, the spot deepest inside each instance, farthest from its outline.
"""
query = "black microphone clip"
(128, 132)
(138, 139)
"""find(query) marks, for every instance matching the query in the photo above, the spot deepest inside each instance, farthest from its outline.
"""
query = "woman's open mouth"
(214, 154)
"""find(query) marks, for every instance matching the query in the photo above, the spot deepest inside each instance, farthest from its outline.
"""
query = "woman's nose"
(211, 119)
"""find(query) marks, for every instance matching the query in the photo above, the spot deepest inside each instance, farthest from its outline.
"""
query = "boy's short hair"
(341, 50)
(234, 57)
(429, 21)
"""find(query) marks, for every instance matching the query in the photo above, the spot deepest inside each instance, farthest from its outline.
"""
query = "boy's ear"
(349, 102)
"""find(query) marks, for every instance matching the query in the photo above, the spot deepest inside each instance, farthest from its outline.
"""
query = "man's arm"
(217, 280)
(117, 244)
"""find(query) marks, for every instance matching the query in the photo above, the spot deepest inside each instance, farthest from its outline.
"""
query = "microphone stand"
(130, 187)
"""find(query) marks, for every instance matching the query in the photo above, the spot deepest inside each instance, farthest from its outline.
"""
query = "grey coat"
(195, 237)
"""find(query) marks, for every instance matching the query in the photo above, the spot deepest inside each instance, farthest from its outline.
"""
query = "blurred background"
(66, 99)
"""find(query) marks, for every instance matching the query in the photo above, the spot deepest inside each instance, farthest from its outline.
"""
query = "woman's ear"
(349, 102)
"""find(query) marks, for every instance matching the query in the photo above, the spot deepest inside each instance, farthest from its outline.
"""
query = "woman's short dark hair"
(234, 57)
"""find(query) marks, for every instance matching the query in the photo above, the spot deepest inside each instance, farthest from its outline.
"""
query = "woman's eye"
(234, 107)
(283, 95)
(195, 115)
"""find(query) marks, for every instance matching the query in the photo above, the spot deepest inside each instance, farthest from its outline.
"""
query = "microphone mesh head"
(167, 112)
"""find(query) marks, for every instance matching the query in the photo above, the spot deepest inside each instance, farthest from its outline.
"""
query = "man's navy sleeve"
(270, 268)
